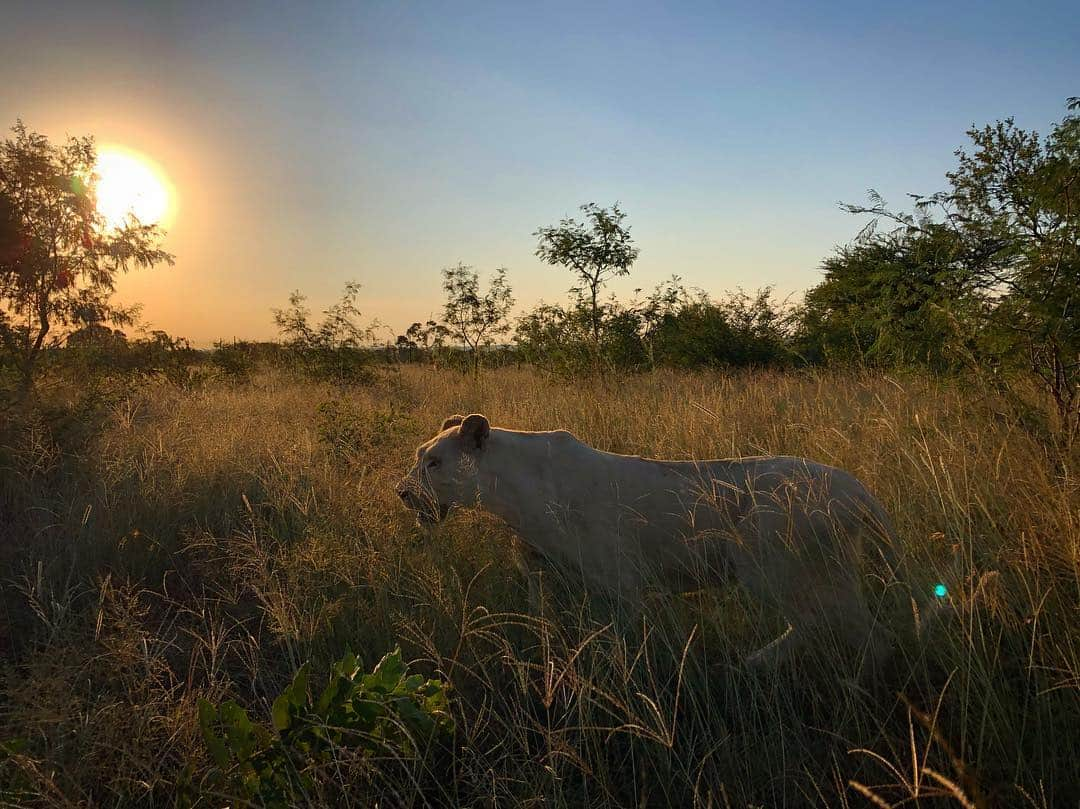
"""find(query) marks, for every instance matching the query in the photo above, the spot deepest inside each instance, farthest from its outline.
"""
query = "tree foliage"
(594, 250)
(738, 330)
(333, 349)
(1016, 199)
(985, 273)
(894, 298)
(423, 340)
(473, 316)
(58, 259)
(431, 334)
(672, 326)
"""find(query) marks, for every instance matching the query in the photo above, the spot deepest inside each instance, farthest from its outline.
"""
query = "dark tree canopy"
(986, 273)
(58, 259)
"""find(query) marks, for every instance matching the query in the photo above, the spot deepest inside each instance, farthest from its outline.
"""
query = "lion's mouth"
(429, 517)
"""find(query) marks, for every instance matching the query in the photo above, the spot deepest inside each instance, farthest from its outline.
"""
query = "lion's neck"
(528, 478)
(525, 473)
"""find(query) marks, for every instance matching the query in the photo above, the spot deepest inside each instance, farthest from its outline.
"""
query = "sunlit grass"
(205, 543)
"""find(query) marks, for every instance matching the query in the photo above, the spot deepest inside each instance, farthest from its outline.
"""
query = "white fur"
(789, 530)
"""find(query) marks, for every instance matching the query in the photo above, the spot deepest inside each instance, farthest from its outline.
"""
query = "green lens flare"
(940, 590)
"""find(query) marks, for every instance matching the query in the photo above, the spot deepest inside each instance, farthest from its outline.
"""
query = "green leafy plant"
(387, 712)
(14, 786)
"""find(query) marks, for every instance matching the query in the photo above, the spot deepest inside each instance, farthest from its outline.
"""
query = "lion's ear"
(453, 421)
(475, 430)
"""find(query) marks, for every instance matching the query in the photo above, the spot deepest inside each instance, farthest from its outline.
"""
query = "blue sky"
(381, 142)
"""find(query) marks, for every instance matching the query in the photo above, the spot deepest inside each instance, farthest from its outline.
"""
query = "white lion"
(791, 531)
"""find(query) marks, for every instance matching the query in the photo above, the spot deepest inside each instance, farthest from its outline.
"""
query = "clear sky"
(311, 144)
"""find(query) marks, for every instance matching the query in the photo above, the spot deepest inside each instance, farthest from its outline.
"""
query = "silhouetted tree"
(427, 335)
(424, 339)
(333, 348)
(58, 259)
(340, 326)
(1008, 232)
(472, 316)
(595, 250)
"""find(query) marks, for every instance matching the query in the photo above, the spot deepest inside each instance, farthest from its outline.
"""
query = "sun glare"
(130, 183)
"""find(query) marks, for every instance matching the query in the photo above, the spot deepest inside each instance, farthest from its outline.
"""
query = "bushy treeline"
(672, 327)
(982, 277)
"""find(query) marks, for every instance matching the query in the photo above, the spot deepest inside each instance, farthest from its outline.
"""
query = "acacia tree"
(476, 318)
(893, 298)
(339, 328)
(426, 336)
(1019, 196)
(58, 259)
(595, 250)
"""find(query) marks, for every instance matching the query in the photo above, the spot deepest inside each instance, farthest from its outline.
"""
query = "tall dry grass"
(168, 545)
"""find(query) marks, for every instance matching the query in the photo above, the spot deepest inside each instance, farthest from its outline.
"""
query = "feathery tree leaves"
(986, 273)
(334, 348)
(58, 258)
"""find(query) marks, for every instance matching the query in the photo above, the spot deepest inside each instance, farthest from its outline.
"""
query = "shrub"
(333, 350)
(234, 360)
(387, 713)
(97, 356)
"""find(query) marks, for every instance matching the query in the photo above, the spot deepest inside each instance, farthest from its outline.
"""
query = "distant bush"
(556, 338)
(672, 327)
(235, 361)
(335, 349)
(96, 351)
(737, 331)
(387, 713)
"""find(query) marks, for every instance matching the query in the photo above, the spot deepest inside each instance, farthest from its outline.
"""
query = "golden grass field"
(175, 544)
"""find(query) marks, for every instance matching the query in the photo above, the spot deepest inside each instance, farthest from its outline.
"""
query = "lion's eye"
(433, 462)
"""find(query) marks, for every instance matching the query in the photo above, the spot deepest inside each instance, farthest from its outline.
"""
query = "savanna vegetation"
(210, 594)
(168, 544)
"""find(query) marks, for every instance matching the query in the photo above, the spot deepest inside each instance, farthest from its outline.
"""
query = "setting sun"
(130, 183)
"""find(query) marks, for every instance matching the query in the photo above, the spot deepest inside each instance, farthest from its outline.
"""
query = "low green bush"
(388, 713)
